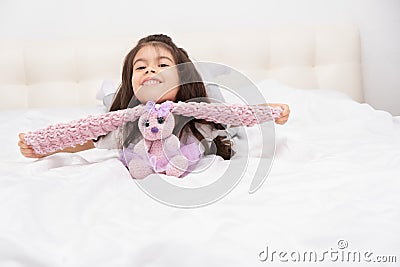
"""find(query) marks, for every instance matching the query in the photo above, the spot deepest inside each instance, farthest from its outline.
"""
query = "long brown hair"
(188, 91)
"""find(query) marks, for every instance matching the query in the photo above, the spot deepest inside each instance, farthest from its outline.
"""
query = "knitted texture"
(230, 114)
(62, 135)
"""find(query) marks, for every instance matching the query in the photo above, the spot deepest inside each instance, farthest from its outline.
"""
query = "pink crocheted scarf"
(62, 135)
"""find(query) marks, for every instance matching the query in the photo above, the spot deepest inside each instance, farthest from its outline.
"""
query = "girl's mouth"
(151, 81)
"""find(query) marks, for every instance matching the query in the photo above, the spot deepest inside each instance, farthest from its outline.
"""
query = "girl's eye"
(163, 65)
(141, 68)
(146, 123)
(160, 120)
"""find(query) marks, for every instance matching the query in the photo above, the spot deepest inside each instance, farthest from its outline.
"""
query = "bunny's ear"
(230, 114)
(132, 114)
(150, 106)
(62, 135)
(165, 108)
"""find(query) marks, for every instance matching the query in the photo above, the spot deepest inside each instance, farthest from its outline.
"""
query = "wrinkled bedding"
(335, 177)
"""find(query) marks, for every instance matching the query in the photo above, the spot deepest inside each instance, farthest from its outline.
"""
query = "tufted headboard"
(47, 73)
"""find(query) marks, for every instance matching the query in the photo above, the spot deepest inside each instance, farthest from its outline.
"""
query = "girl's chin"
(158, 93)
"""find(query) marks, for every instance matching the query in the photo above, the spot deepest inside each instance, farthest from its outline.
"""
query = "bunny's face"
(153, 127)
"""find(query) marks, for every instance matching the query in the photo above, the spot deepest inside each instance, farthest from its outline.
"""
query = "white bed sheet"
(336, 176)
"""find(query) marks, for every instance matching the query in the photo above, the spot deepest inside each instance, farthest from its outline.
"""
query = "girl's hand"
(284, 115)
(26, 150)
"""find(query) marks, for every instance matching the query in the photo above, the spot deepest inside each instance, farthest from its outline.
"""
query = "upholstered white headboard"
(45, 73)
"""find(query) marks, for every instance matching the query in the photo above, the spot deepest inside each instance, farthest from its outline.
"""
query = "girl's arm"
(27, 151)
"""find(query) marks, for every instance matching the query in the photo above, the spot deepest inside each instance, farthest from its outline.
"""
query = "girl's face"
(154, 76)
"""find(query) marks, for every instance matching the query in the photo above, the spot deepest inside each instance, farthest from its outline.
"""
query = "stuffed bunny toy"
(159, 150)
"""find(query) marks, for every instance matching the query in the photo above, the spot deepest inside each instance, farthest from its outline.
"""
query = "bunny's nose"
(154, 130)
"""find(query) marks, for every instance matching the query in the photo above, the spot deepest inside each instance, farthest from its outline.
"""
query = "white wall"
(378, 20)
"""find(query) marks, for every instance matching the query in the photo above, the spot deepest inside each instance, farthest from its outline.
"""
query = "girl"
(150, 65)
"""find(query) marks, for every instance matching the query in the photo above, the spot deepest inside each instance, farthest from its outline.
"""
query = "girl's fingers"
(31, 155)
(286, 110)
(282, 120)
(285, 113)
(27, 150)
(21, 141)
(23, 145)
(21, 137)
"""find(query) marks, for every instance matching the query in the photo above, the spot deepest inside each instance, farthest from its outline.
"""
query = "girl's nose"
(150, 69)
(154, 130)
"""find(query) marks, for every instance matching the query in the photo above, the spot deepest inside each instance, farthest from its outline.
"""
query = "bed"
(331, 194)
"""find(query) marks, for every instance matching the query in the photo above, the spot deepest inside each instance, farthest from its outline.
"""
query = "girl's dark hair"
(191, 89)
